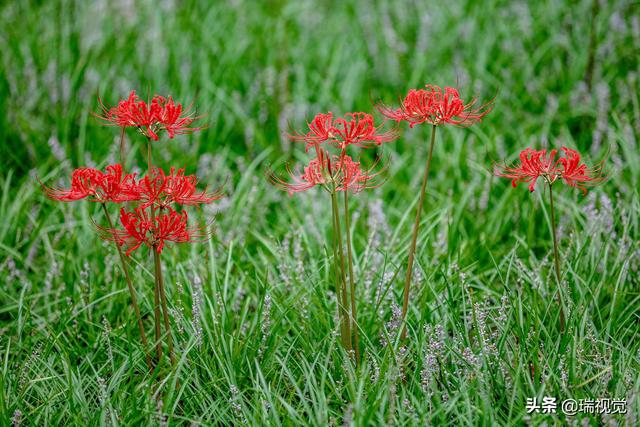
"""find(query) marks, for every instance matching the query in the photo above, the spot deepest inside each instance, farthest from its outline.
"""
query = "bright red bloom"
(137, 225)
(576, 174)
(313, 174)
(436, 106)
(416, 108)
(319, 131)
(356, 129)
(333, 173)
(171, 118)
(139, 228)
(114, 186)
(533, 165)
(83, 183)
(170, 226)
(353, 178)
(152, 186)
(134, 112)
(537, 163)
(109, 186)
(181, 189)
(161, 189)
(149, 117)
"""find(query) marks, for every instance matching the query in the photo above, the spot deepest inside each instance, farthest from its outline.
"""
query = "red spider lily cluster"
(336, 172)
(536, 164)
(161, 189)
(141, 228)
(437, 106)
(154, 215)
(356, 129)
(155, 191)
(150, 118)
(109, 186)
(331, 172)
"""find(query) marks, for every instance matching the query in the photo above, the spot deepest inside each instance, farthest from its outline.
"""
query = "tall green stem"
(122, 156)
(132, 291)
(416, 228)
(344, 336)
(556, 256)
(156, 315)
(339, 259)
(163, 297)
(156, 285)
(149, 157)
(352, 286)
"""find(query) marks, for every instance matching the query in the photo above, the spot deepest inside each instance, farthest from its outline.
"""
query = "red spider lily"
(133, 112)
(356, 129)
(139, 228)
(319, 131)
(170, 226)
(533, 165)
(181, 189)
(149, 118)
(416, 108)
(333, 173)
(353, 178)
(152, 187)
(578, 175)
(436, 106)
(109, 186)
(116, 187)
(313, 174)
(171, 119)
(83, 183)
(537, 163)
(162, 189)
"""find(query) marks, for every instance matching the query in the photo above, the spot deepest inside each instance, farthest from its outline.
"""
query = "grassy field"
(252, 309)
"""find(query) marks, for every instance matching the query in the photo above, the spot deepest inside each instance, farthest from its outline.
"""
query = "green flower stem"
(352, 286)
(556, 257)
(339, 260)
(165, 312)
(416, 228)
(132, 291)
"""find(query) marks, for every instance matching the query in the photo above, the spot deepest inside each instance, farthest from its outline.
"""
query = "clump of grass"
(152, 222)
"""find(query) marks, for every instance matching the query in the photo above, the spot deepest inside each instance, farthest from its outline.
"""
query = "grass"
(252, 310)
